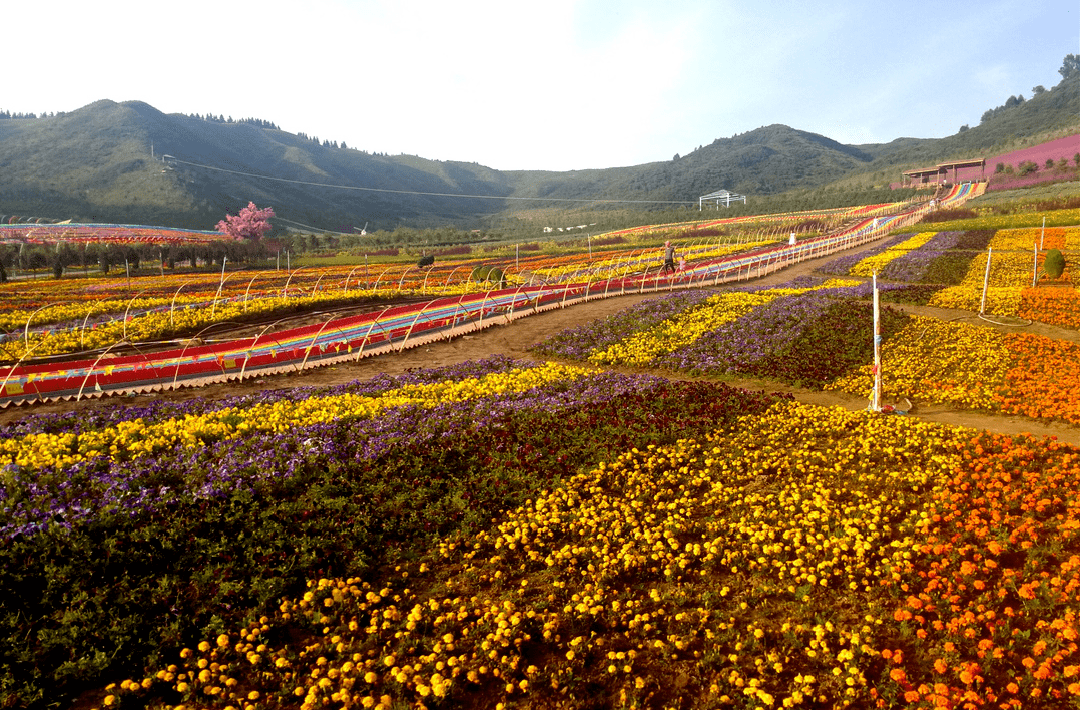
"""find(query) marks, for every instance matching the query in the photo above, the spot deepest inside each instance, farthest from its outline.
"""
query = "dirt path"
(514, 340)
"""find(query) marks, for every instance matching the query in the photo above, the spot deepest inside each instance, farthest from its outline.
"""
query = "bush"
(1054, 265)
(488, 274)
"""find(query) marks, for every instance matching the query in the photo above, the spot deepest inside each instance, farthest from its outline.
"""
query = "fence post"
(986, 280)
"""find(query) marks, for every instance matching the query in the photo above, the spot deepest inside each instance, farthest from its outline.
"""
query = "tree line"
(105, 257)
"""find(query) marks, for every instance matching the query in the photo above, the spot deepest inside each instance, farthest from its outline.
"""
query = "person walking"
(669, 258)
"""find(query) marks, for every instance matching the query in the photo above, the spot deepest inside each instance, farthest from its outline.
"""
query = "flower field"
(797, 556)
(212, 526)
(542, 534)
(1013, 266)
(955, 263)
(820, 336)
(803, 334)
(77, 315)
(976, 367)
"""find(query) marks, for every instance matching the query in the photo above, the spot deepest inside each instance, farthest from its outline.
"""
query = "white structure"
(721, 196)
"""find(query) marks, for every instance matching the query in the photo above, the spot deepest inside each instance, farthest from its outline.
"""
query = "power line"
(413, 192)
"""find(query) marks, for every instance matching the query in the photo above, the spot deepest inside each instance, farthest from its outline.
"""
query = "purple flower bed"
(913, 266)
(1059, 148)
(102, 417)
(805, 281)
(842, 264)
(1002, 181)
(34, 500)
(808, 339)
(577, 343)
(119, 563)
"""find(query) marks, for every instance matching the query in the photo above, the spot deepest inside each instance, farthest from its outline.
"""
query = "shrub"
(1054, 265)
(489, 274)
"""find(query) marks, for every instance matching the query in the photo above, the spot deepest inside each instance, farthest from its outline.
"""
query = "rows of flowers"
(944, 259)
(870, 265)
(111, 559)
(821, 336)
(842, 265)
(805, 339)
(797, 333)
(971, 366)
(683, 229)
(620, 264)
(1014, 266)
(1014, 220)
(799, 557)
(954, 263)
(136, 438)
(75, 315)
(43, 321)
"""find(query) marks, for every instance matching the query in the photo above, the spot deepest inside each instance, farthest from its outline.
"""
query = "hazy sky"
(559, 84)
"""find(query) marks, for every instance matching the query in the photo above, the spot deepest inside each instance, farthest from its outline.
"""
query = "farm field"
(672, 500)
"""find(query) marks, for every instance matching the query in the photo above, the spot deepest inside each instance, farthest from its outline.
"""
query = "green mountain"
(103, 163)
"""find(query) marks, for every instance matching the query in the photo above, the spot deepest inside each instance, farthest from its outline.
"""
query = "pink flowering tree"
(251, 223)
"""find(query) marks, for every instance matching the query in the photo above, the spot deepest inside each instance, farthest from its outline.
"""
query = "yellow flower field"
(873, 264)
(136, 438)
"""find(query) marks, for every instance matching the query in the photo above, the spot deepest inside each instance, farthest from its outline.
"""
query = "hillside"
(103, 163)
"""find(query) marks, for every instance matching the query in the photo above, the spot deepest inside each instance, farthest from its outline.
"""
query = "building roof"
(969, 163)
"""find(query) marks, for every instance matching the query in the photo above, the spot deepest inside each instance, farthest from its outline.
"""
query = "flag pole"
(875, 403)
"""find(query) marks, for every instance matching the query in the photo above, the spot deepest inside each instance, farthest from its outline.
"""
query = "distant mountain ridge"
(103, 163)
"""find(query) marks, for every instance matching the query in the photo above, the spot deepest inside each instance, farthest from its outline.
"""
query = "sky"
(557, 85)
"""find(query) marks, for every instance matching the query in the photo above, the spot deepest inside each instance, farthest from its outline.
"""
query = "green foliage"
(488, 274)
(1054, 264)
(1070, 67)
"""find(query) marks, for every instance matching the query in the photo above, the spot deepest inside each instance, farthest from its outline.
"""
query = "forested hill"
(103, 163)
